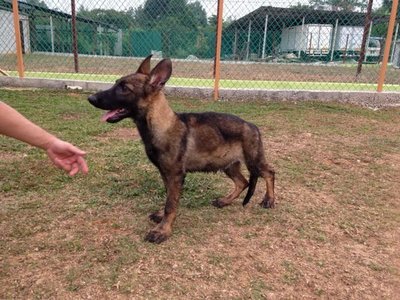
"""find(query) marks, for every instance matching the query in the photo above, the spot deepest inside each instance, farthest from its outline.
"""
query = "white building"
(7, 32)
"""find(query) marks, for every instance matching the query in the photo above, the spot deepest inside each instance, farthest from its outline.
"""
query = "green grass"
(331, 234)
(228, 84)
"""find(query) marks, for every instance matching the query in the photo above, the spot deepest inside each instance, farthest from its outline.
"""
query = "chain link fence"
(311, 45)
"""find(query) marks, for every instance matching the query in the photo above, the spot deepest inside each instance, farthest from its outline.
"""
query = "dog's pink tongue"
(108, 115)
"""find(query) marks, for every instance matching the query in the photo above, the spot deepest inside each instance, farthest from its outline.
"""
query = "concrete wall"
(7, 33)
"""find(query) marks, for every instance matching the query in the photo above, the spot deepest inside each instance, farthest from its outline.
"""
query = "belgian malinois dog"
(178, 143)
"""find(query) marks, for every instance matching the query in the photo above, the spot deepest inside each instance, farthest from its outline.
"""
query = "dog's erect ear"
(160, 74)
(144, 67)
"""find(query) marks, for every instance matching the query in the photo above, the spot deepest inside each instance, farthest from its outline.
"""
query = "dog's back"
(216, 140)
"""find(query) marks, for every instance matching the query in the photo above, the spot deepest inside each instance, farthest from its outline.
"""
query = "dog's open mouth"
(113, 116)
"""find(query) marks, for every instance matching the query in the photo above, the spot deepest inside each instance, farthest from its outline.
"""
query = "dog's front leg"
(173, 184)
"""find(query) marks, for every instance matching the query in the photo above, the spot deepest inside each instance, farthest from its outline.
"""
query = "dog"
(178, 143)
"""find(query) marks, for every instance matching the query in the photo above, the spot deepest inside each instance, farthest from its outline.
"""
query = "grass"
(332, 234)
(229, 84)
(241, 75)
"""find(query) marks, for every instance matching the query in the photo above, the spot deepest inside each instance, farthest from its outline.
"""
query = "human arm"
(62, 154)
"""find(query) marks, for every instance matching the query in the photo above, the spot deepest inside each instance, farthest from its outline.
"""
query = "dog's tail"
(252, 186)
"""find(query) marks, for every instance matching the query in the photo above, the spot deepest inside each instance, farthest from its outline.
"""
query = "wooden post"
(74, 36)
(365, 36)
(18, 42)
(218, 44)
(388, 42)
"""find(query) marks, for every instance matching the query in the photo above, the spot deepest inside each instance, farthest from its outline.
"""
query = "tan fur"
(160, 117)
(179, 143)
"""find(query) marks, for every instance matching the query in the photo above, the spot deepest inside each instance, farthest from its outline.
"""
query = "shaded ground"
(334, 233)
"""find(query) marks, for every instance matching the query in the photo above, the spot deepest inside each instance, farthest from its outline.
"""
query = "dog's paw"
(219, 203)
(268, 203)
(156, 216)
(156, 236)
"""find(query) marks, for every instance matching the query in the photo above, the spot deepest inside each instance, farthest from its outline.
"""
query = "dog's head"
(130, 93)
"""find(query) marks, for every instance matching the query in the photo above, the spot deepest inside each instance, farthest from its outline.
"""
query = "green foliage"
(173, 17)
(339, 5)
(175, 27)
(37, 3)
(117, 19)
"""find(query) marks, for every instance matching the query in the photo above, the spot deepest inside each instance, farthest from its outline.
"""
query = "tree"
(118, 19)
(387, 7)
(198, 13)
(213, 20)
(381, 28)
(300, 5)
(179, 22)
(339, 5)
(37, 3)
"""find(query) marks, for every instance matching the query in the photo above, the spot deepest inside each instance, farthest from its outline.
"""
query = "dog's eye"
(124, 88)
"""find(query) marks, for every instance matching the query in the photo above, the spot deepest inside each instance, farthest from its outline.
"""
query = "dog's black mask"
(128, 95)
(115, 101)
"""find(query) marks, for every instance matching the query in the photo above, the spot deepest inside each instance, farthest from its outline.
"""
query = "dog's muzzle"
(92, 99)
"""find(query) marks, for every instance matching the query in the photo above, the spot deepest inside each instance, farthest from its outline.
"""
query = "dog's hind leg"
(233, 172)
(268, 173)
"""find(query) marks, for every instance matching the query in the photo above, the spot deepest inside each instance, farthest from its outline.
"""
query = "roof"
(279, 17)
(28, 9)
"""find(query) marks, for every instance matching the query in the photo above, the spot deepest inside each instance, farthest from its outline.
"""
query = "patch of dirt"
(19, 89)
(121, 133)
(71, 117)
(390, 159)
(11, 156)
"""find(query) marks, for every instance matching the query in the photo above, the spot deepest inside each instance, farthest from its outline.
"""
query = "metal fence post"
(388, 42)
(395, 40)
(218, 44)
(18, 42)
(74, 36)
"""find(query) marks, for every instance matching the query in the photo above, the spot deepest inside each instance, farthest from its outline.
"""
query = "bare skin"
(62, 154)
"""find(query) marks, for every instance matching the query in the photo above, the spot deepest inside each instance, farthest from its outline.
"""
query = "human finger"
(74, 169)
(75, 150)
(62, 164)
(83, 165)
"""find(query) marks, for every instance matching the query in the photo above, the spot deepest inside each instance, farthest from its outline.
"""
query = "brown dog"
(178, 143)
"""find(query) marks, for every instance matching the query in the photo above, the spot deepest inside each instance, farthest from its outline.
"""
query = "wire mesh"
(265, 44)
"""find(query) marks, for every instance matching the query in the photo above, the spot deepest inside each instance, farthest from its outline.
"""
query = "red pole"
(367, 26)
(18, 42)
(386, 53)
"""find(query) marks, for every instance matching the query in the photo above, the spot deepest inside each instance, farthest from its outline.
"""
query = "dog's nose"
(92, 98)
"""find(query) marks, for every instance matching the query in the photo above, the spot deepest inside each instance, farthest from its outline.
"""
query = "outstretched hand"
(67, 157)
